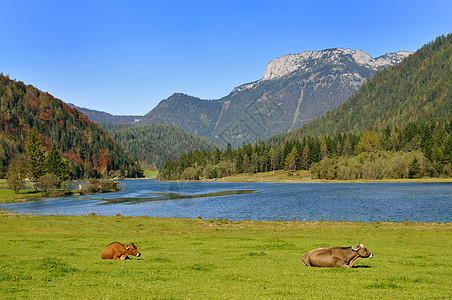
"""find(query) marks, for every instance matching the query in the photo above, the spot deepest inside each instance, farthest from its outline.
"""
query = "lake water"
(366, 202)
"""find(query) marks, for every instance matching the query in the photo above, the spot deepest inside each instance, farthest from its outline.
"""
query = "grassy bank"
(59, 257)
(305, 176)
(150, 173)
(7, 195)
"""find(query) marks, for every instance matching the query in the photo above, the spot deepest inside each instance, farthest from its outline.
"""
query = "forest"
(86, 149)
(152, 145)
(412, 151)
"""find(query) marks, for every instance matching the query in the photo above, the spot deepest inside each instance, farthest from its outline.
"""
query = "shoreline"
(305, 177)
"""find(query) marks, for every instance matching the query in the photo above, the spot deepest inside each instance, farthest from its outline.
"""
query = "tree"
(48, 182)
(35, 154)
(369, 142)
(305, 158)
(414, 169)
(17, 172)
(274, 157)
(347, 147)
(291, 160)
(246, 164)
(55, 164)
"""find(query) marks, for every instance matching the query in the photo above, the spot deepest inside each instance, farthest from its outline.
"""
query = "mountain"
(294, 90)
(154, 144)
(397, 125)
(100, 116)
(89, 151)
(419, 89)
(190, 114)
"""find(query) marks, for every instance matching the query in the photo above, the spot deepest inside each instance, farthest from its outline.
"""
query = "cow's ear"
(127, 248)
(355, 248)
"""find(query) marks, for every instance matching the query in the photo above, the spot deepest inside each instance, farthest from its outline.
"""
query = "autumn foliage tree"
(17, 172)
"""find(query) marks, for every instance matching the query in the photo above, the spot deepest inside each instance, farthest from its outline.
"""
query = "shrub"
(101, 186)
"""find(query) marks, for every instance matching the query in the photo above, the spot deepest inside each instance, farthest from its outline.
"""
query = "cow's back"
(113, 251)
(306, 258)
(323, 257)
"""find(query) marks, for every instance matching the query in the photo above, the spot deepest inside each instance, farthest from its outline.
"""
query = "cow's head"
(362, 251)
(132, 250)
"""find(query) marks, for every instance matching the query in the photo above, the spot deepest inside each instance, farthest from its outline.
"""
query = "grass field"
(150, 173)
(59, 257)
(9, 195)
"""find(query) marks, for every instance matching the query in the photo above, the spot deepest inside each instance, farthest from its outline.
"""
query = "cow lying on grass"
(119, 251)
(342, 257)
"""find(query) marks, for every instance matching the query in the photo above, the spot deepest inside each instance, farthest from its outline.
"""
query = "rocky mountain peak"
(284, 65)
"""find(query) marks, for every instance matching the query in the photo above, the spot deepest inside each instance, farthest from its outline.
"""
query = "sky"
(124, 57)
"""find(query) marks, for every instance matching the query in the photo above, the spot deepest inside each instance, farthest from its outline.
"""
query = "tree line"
(152, 145)
(414, 150)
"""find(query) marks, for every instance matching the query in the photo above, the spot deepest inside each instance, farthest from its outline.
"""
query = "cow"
(119, 251)
(342, 257)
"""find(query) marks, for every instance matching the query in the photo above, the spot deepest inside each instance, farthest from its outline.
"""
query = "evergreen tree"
(55, 164)
(291, 160)
(274, 155)
(35, 154)
(246, 163)
(305, 158)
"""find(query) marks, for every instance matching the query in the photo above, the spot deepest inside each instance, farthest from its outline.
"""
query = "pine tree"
(305, 158)
(55, 164)
(35, 154)
(291, 160)
(246, 164)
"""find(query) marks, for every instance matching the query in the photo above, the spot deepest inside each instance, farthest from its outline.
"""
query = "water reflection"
(172, 196)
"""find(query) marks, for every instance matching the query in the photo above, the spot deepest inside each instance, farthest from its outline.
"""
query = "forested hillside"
(418, 89)
(153, 144)
(87, 149)
(416, 150)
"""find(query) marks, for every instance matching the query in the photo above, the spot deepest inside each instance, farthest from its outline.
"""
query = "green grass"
(51, 257)
(9, 195)
(150, 173)
(3, 184)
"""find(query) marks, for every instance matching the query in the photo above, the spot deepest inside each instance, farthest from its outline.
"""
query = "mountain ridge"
(286, 100)
(294, 90)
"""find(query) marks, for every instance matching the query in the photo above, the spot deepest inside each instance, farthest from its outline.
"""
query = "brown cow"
(119, 251)
(335, 256)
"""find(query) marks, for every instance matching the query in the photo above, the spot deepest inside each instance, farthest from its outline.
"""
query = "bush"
(374, 165)
(48, 183)
(101, 186)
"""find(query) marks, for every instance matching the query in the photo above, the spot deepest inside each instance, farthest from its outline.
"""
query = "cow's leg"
(124, 256)
(352, 262)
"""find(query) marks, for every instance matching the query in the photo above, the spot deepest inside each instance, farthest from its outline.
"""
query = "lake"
(365, 202)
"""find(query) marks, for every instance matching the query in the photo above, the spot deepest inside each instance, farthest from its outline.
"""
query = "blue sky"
(123, 57)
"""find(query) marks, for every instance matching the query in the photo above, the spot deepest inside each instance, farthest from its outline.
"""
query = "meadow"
(8, 195)
(59, 257)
